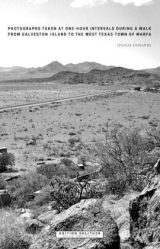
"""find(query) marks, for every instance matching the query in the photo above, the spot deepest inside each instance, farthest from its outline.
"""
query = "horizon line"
(76, 64)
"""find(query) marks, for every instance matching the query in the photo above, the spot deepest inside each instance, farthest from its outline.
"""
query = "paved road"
(53, 101)
(4, 108)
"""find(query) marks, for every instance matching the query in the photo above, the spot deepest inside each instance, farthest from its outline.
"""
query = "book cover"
(79, 124)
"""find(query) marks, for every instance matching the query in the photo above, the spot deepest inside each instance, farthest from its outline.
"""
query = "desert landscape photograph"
(79, 124)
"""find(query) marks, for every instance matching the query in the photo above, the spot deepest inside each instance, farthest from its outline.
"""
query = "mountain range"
(13, 70)
(56, 67)
(85, 73)
(114, 75)
(153, 70)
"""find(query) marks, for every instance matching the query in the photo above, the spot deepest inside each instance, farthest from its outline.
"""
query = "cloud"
(91, 3)
(86, 3)
(37, 1)
(135, 2)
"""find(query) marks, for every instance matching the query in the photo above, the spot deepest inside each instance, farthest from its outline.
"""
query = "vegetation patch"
(125, 157)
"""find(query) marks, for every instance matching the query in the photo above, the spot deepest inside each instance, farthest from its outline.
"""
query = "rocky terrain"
(131, 222)
(85, 216)
(114, 76)
(144, 214)
(80, 164)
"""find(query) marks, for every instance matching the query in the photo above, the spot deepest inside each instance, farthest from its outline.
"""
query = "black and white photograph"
(79, 124)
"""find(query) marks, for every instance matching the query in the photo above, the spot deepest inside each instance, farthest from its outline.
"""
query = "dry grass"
(12, 234)
(25, 92)
(53, 124)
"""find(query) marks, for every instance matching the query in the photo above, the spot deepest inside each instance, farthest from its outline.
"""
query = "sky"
(37, 51)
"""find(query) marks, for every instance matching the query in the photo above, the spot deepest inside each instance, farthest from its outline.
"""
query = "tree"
(125, 156)
(6, 159)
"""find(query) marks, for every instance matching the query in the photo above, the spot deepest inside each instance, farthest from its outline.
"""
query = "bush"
(66, 192)
(14, 243)
(2, 184)
(84, 158)
(97, 190)
(23, 188)
(63, 193)
(67, 170)
(67, 162)
(43, 197)
(153, 137)
(71, 141)
(50, 170)
(13, 235)
(116, 186)
(125, 157)
(5, 160)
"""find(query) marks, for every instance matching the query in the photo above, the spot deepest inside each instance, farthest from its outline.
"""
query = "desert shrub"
(71, 141)
(13, 235)
(43, 197)
(153, 135)
(66, 192)
(119, 185)
(2, 183)
(153, 123)
(125, 157)
(92, 170)
(84, 157)
(6, 159)
(14, 243)
(23, 189)
(74, 140)
(38, 210)
(96, 190)
(67, 162)
(51, 170)
(116, 186)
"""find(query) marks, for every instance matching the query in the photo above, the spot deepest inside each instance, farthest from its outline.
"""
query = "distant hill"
(153, 71)
(50, 69)
(114, 75)
(86, 67)
(13, 70)
(53, 67)
(65, 75)
(82, 73)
